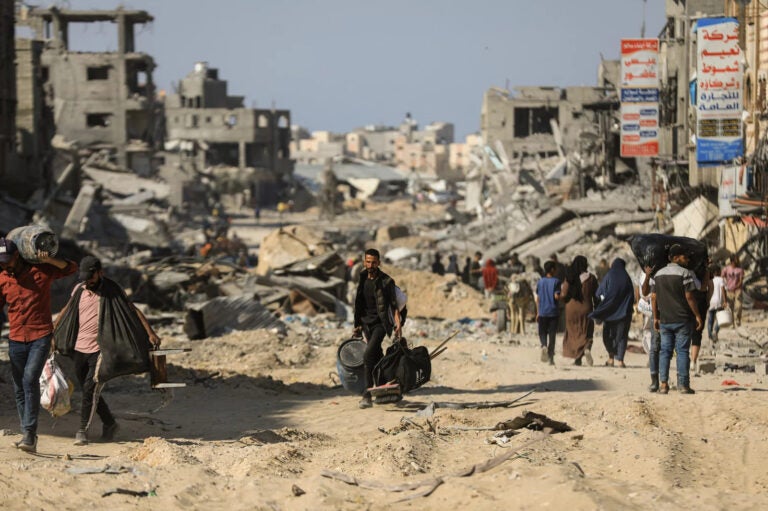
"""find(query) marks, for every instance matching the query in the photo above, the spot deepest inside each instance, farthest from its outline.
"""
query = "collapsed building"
(102, 100)
(208, 127)
(7, 83)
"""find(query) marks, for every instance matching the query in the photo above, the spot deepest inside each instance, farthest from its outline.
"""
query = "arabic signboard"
(732, 184)
(640, 63)
(639, 97)
(719, 91)
(639, 129)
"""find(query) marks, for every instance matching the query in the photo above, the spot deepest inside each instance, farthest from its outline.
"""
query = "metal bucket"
(350, 366)
(724, 317)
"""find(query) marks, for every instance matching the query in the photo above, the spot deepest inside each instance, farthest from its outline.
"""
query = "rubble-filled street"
(548, 296)
(263, 421)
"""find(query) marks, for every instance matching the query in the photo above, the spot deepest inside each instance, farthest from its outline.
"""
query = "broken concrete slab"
(696, 219)
(515, 237)
(592, 206)
(73, 225)
(288, 245)
(328, 263)
(597, 223)
(552, 244)
(125, 184)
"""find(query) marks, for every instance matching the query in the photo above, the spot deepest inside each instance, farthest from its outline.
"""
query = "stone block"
(707, 367)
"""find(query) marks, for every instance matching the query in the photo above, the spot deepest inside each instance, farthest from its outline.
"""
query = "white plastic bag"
(55, 389)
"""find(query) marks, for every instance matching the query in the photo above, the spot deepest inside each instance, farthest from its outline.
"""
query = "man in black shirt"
(376, 314)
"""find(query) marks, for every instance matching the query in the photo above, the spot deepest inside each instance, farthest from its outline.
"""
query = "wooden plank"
(158, 373)
(170, 351)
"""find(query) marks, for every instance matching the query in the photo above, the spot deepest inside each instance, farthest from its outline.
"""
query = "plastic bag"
(653, 250)
(55, 389)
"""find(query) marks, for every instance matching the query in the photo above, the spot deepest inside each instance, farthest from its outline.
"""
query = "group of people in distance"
(676, 304)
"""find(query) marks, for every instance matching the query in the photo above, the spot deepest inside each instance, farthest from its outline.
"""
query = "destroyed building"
(7, 83)
(208, 127)
(102, 100)
(521, 119)
(28, 169)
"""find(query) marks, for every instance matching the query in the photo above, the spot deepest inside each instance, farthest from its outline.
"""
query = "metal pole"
(687, 76)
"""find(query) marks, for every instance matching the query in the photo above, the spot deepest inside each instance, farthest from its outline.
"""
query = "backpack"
(411, 368)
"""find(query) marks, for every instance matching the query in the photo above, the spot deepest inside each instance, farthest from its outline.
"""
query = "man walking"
(674, 313)
(87, 297)
(733, 274)
(26, 289)
(376, 314)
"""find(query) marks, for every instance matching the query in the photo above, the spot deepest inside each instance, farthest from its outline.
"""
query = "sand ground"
(261, 419)
(261, 414)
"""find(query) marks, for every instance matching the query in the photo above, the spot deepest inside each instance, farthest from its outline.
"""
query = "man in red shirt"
(26, 289)
(490, 277)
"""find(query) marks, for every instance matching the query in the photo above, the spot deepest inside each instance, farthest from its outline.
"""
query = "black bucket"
(350, 366)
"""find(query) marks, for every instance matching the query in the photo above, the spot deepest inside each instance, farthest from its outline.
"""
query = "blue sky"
(340, 64)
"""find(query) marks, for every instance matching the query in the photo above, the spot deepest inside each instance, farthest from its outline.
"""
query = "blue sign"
(638, 95)
(717, 151)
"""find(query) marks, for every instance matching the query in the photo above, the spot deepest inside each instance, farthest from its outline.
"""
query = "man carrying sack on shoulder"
(26, 289)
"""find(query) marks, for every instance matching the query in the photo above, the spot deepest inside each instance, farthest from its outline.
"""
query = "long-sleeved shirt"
(28, 295)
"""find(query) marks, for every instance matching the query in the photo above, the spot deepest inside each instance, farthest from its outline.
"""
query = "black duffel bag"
(653, 250)
(410, 368)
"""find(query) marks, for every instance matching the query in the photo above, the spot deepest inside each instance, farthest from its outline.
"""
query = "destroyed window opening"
(94, 73)
(98, 120)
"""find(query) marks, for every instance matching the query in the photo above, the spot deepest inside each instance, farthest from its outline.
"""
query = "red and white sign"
(640, 63)
(639, 129)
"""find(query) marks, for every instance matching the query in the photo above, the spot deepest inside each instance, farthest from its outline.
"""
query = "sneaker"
(81, 438)
(544, 354)
(588, 357)
(686, 390)
(28, 443)
(366, 402)
(108, 432)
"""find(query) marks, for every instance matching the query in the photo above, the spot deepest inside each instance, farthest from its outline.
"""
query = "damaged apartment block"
(103, 100)
(208, 128)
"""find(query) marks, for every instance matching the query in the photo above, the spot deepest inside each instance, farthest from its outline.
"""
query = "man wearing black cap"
(26, 289)
(89, 294)
(675, 313)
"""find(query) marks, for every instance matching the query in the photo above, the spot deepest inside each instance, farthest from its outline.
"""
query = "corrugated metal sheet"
(228, 313)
